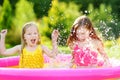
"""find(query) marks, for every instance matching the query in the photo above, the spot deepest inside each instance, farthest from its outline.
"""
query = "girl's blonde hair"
(27, 25)
(82, 21)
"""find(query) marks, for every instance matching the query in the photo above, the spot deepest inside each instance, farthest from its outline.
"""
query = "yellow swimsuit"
(33, 59)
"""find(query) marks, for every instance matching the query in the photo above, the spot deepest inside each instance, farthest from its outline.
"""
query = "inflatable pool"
(10, 71)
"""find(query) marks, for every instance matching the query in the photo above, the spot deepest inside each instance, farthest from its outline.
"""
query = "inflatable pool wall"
(9, 71)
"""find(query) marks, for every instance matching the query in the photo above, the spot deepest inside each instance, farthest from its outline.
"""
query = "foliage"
(118, 40)
(61, 17)
(22, 15)
(96, 4)
(115, 7)
(1, 2)
(64, 50)
(0, 14)
(109, 44)
(85, 4)
(113, 51)
(60, 14)
(104, 21)
(107, 11)
(41, 7)
(6, 15)
(112, 48)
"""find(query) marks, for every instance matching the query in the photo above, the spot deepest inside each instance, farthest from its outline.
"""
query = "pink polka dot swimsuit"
(85, 57)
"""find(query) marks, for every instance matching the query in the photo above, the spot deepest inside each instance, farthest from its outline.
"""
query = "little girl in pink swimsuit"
(87, 48)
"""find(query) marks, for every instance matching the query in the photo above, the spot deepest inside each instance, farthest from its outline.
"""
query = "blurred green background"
(60, 14)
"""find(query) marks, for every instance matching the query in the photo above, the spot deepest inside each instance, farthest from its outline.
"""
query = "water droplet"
(86, 11)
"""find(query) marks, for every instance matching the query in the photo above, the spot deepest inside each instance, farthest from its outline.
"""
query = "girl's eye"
(29, 34)
(35, 33)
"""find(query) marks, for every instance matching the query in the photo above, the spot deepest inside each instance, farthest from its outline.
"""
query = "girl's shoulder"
(97, 42)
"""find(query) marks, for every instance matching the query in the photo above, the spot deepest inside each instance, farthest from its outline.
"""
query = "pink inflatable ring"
(12, 73)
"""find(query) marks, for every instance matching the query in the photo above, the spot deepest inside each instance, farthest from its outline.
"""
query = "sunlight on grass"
(64, 49)
(113, 51)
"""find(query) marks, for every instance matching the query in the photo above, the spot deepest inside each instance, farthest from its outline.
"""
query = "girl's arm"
(54, 51)
(4, 51)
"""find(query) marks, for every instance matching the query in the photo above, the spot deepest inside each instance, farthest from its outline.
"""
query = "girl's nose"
(33, 35)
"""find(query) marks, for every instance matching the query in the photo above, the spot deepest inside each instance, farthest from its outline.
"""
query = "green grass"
(64, 49)
(0, 56)
(113, 51)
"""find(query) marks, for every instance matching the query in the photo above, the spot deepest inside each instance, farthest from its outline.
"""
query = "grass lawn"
(113, 51)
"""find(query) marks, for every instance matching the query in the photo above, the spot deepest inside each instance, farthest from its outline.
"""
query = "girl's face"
(82, 33)
(31, 36)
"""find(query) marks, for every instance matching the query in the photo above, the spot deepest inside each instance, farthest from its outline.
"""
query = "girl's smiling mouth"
(33, 41)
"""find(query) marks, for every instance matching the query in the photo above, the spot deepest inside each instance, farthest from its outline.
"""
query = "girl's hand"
(3, 33)
(55, 35)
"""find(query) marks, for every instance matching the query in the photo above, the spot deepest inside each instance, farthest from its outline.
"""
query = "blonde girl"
(31, 50)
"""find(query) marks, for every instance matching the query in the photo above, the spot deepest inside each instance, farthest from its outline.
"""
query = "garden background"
(60, 14)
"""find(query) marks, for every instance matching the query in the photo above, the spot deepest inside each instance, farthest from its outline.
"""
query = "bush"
(6, 15)
(108, 44)
(61, 16)
(22, 15)
(104, 21)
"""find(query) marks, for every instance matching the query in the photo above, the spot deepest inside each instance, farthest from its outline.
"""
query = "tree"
(61, 16)
(0, 14)
(104, 21)
(6, 15)
(22, 15)
(41, 7)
